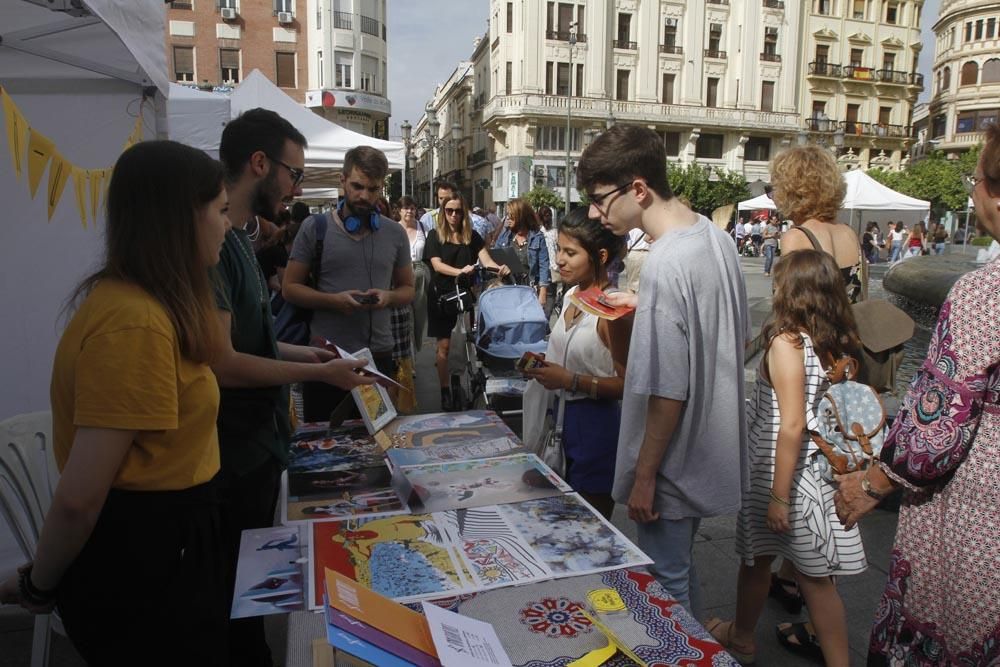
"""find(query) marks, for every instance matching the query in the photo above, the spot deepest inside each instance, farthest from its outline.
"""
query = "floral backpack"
(849, 422)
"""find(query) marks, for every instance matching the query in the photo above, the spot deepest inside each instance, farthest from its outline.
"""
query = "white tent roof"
(763, 201)
(120, 40)
(194, 117)
(328, 142)
(867, 194)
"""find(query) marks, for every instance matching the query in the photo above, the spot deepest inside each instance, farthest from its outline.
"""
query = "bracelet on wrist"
(575, 384)
(866, 486)
(593, 386)
(31, 593)
(780, 501)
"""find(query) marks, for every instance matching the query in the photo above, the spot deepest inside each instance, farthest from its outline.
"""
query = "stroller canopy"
(510, 322)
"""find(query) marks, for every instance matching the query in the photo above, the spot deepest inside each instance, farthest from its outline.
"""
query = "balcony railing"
(770, 57)
(369, 26)
(675, 50)
(774, 4)
(342, 20)
(718, 2)
(820, 68)
(858, 129)
(625, 44)
(714, 53)
(901, 78)
(563, 36)
(597, 109)
(496, 43)
(859, 73)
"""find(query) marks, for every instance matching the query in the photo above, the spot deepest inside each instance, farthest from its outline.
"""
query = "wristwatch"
(866, 486)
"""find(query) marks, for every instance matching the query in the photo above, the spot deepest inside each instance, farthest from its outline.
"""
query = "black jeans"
(319, 399)
(248, 501)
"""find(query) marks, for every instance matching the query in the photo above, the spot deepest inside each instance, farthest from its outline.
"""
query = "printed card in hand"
(595, 302)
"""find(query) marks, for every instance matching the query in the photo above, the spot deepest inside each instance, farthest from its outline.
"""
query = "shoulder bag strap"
(317, 260)
(562, 392)
(812, 237)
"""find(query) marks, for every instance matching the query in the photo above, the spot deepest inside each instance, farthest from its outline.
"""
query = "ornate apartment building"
(966, 75)
(726, 83)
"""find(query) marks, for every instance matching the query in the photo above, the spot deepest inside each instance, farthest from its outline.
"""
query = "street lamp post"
(407, 131)
(569, 111)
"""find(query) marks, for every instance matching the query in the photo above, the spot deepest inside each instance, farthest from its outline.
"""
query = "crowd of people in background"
(170, 389)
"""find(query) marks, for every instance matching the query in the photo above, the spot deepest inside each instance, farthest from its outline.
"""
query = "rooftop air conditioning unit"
(228, 13)
(285, 17)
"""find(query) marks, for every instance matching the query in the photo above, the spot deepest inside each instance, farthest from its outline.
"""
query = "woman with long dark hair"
(593, 373)
(130, 552)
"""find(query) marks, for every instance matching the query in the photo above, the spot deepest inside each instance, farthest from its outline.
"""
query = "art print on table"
(570, 537)
(270, 573)
(341, 449)
(408, 456)
(340, 495)
(495, 553)
(373, 400)
(446, 428)
(438, 487)
(405, 558)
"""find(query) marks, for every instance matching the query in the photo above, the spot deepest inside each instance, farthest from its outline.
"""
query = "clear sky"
(428, 38)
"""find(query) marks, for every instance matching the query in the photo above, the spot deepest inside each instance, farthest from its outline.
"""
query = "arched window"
(970, 74)
(946, 84)
(938, 82)
(991, 71)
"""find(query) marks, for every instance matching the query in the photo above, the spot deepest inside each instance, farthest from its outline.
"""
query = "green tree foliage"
(707, 188)
(934, 178)
(543, 196)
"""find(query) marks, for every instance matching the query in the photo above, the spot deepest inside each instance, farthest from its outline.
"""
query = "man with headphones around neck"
(364, 272)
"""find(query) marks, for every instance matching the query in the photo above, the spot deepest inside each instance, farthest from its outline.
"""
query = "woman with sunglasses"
(452, 248)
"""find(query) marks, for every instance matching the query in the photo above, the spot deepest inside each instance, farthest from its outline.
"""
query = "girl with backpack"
(788, 510)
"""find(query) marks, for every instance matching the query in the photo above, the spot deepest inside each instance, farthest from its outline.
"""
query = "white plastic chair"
(27, 480)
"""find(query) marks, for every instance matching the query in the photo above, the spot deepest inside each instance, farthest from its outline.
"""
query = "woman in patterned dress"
(788, 510)
(941, 603)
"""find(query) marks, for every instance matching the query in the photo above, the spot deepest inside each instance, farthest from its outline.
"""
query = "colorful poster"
(373, 400)
(409, 456)
(405, 558)
(271, 572)
(341, 494)
(570, 537)
(338, 450)
(438, 487)
(444, 428)
(495, 554)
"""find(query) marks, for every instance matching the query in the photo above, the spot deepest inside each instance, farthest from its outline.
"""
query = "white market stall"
(757, 203)
(77, 87)
(193, 117)
(868, 200)
(328, 142)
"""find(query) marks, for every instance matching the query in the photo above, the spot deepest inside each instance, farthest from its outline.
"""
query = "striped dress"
(817, 544)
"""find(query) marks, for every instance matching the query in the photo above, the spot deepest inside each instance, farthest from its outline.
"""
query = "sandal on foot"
(797, 638)
(722, 632)
(792, 602)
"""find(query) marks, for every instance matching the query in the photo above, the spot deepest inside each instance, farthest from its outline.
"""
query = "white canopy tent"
(194, 117)
(868, 200)
(77, 79)
(757, 203)
(328, 142)
(74, 82)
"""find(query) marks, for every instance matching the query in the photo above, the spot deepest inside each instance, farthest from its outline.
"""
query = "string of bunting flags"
(32, 150)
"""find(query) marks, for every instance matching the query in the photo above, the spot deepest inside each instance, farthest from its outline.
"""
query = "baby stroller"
(509, 321)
